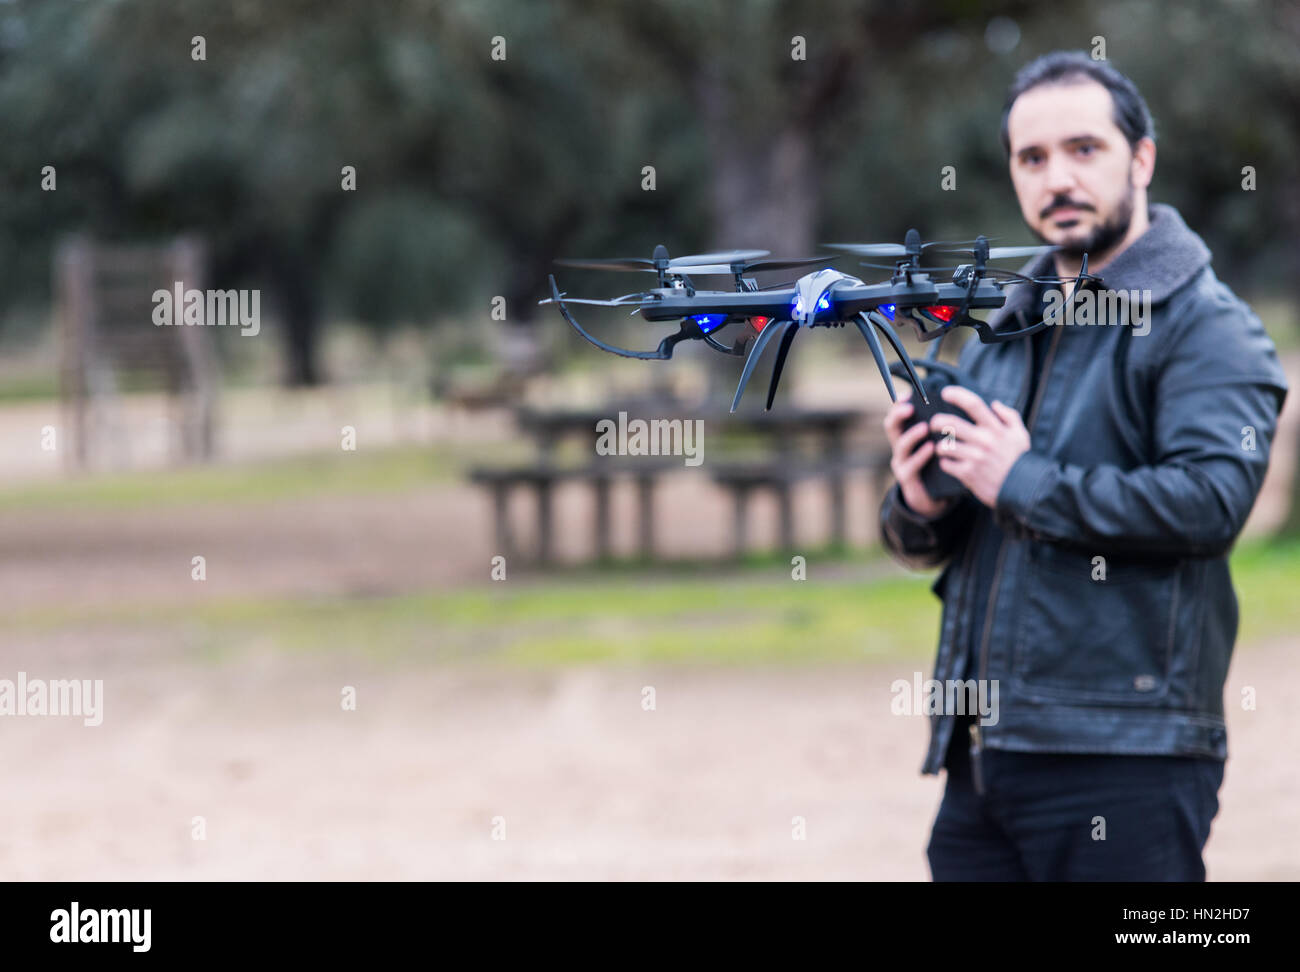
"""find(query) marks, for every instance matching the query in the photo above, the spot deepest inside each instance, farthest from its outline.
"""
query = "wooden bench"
(780, 476)
(821, 431)
(542, 478)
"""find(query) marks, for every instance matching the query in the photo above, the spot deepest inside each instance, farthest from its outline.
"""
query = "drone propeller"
(1007, 252)
(890, 266)
(757, 266)
(631, 263)
(873, 249)
(696, 262)
(725, 257)
(911, 245)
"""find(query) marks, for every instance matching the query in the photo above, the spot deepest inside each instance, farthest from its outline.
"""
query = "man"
(1108, 470)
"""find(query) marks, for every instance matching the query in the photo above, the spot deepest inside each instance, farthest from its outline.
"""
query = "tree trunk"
(763, 195)
(296, 287)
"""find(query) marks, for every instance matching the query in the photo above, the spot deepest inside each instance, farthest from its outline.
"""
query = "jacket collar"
(1161, 260)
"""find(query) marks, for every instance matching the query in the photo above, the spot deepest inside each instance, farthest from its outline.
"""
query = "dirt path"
(589, 784)
(367, 545)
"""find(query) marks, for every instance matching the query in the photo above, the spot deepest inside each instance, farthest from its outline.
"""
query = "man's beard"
(1104, 237)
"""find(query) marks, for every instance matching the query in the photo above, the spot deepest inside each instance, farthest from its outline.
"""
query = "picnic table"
(827, 431)
(822, 432)
(548, 427)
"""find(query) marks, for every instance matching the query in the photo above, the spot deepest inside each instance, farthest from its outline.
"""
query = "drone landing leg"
(787, 338)
(760, 342)
(877, 352)
(901, 351)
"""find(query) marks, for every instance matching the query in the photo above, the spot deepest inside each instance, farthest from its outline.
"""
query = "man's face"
(1071, 166)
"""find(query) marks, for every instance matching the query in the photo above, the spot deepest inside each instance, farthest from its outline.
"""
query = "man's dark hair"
(1065, 67)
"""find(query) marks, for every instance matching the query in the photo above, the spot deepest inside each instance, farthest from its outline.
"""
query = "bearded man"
(1108, 470)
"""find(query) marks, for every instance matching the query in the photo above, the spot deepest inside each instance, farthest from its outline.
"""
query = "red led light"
(942, 311)
(759, 322)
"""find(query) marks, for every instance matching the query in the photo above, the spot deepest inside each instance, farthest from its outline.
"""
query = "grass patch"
(29, 388)
(386, 470)
(858, 612)
(1266, 575)
(741, 618)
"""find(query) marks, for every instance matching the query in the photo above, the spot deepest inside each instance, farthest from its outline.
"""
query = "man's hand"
(907, 464)
(979, 455)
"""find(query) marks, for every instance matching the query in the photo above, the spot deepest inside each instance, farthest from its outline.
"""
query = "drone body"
(821, 298)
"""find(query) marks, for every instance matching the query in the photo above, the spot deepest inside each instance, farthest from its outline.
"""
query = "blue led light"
(823, 304)
(887, 310)
(708, 322)
(798, 306)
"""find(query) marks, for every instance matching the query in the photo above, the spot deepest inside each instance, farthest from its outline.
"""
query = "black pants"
(1043, 816)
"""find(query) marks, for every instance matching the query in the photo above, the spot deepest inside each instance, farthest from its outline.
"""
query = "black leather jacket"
(1148, 450)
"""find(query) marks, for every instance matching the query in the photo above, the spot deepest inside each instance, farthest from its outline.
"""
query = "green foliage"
(397, 256)
(473, 173)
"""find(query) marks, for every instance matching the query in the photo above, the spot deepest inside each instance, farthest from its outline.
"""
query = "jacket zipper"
(963, 598)
(976, 741)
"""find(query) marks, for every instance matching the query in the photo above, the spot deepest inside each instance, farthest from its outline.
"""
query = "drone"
(821, 298)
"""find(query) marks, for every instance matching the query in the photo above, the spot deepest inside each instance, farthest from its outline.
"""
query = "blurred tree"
(489, 136)
(465, 178)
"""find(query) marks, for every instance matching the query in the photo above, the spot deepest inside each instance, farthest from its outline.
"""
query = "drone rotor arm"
(663, 352)
(614, 302)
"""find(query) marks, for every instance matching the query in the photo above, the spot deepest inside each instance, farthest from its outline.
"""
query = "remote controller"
(939, 484)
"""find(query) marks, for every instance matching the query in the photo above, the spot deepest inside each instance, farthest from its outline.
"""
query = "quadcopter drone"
(821, 298)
